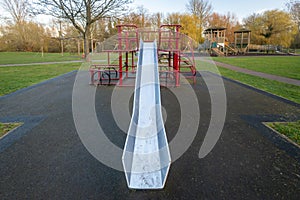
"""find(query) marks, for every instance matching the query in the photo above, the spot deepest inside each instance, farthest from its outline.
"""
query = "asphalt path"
(40, 63)
(45, 159)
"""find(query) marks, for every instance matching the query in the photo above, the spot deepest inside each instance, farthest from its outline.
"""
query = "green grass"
(6, 127)
(34, 57)
(286, 66)
(284, 90)
(289, 129)
(15, 78)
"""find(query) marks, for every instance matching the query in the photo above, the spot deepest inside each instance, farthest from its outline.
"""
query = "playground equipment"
(242, 40)
(263, 48)
(216, 40)
(147, 59)
(243, 44)
(114, 61)
(217, 43)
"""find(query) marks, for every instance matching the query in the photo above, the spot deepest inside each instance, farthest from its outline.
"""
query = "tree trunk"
(86, 44)
(86, 38)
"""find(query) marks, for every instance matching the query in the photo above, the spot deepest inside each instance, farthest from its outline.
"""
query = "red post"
(175, 51)
(92, 77)
(120, 55)
(124, 40)
(132, 61)
(169, 59)
(126, 64)
(99, 76)
(176, 56)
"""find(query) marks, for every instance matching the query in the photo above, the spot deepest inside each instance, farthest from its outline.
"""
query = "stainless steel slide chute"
(146, 157)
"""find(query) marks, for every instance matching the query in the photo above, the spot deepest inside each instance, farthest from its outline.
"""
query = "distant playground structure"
(217, 44)
(114, 61)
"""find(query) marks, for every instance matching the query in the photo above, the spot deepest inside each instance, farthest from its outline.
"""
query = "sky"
(241, 8)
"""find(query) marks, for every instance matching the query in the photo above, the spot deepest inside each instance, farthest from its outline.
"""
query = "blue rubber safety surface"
(45, 159)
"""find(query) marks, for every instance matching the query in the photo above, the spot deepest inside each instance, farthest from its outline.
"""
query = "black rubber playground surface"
(45, 159)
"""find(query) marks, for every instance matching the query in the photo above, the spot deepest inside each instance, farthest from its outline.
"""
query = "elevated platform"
(114, 61)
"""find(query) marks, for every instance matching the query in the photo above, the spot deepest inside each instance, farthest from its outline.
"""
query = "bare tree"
(143, 13)
(18, 9)
(156, 19)
(81, 13)
(202, 9)
(294, 9)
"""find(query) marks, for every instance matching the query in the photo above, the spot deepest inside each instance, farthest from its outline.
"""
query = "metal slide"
(146, 157)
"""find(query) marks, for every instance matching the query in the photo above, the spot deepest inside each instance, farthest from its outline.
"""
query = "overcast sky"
(242, 8)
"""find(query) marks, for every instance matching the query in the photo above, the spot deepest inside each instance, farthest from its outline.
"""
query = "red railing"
(121, 52)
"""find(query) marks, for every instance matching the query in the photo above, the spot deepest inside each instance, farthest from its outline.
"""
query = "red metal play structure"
(114, 61)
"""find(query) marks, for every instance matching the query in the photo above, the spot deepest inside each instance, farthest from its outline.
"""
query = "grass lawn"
(6, 127)
(34, 57)
(15, 78)
(284, 90)
(289, 129)
(286, 66)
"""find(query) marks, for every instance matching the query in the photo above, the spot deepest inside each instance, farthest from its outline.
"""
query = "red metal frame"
(127, 40)
(174, 52)
(169, 44)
